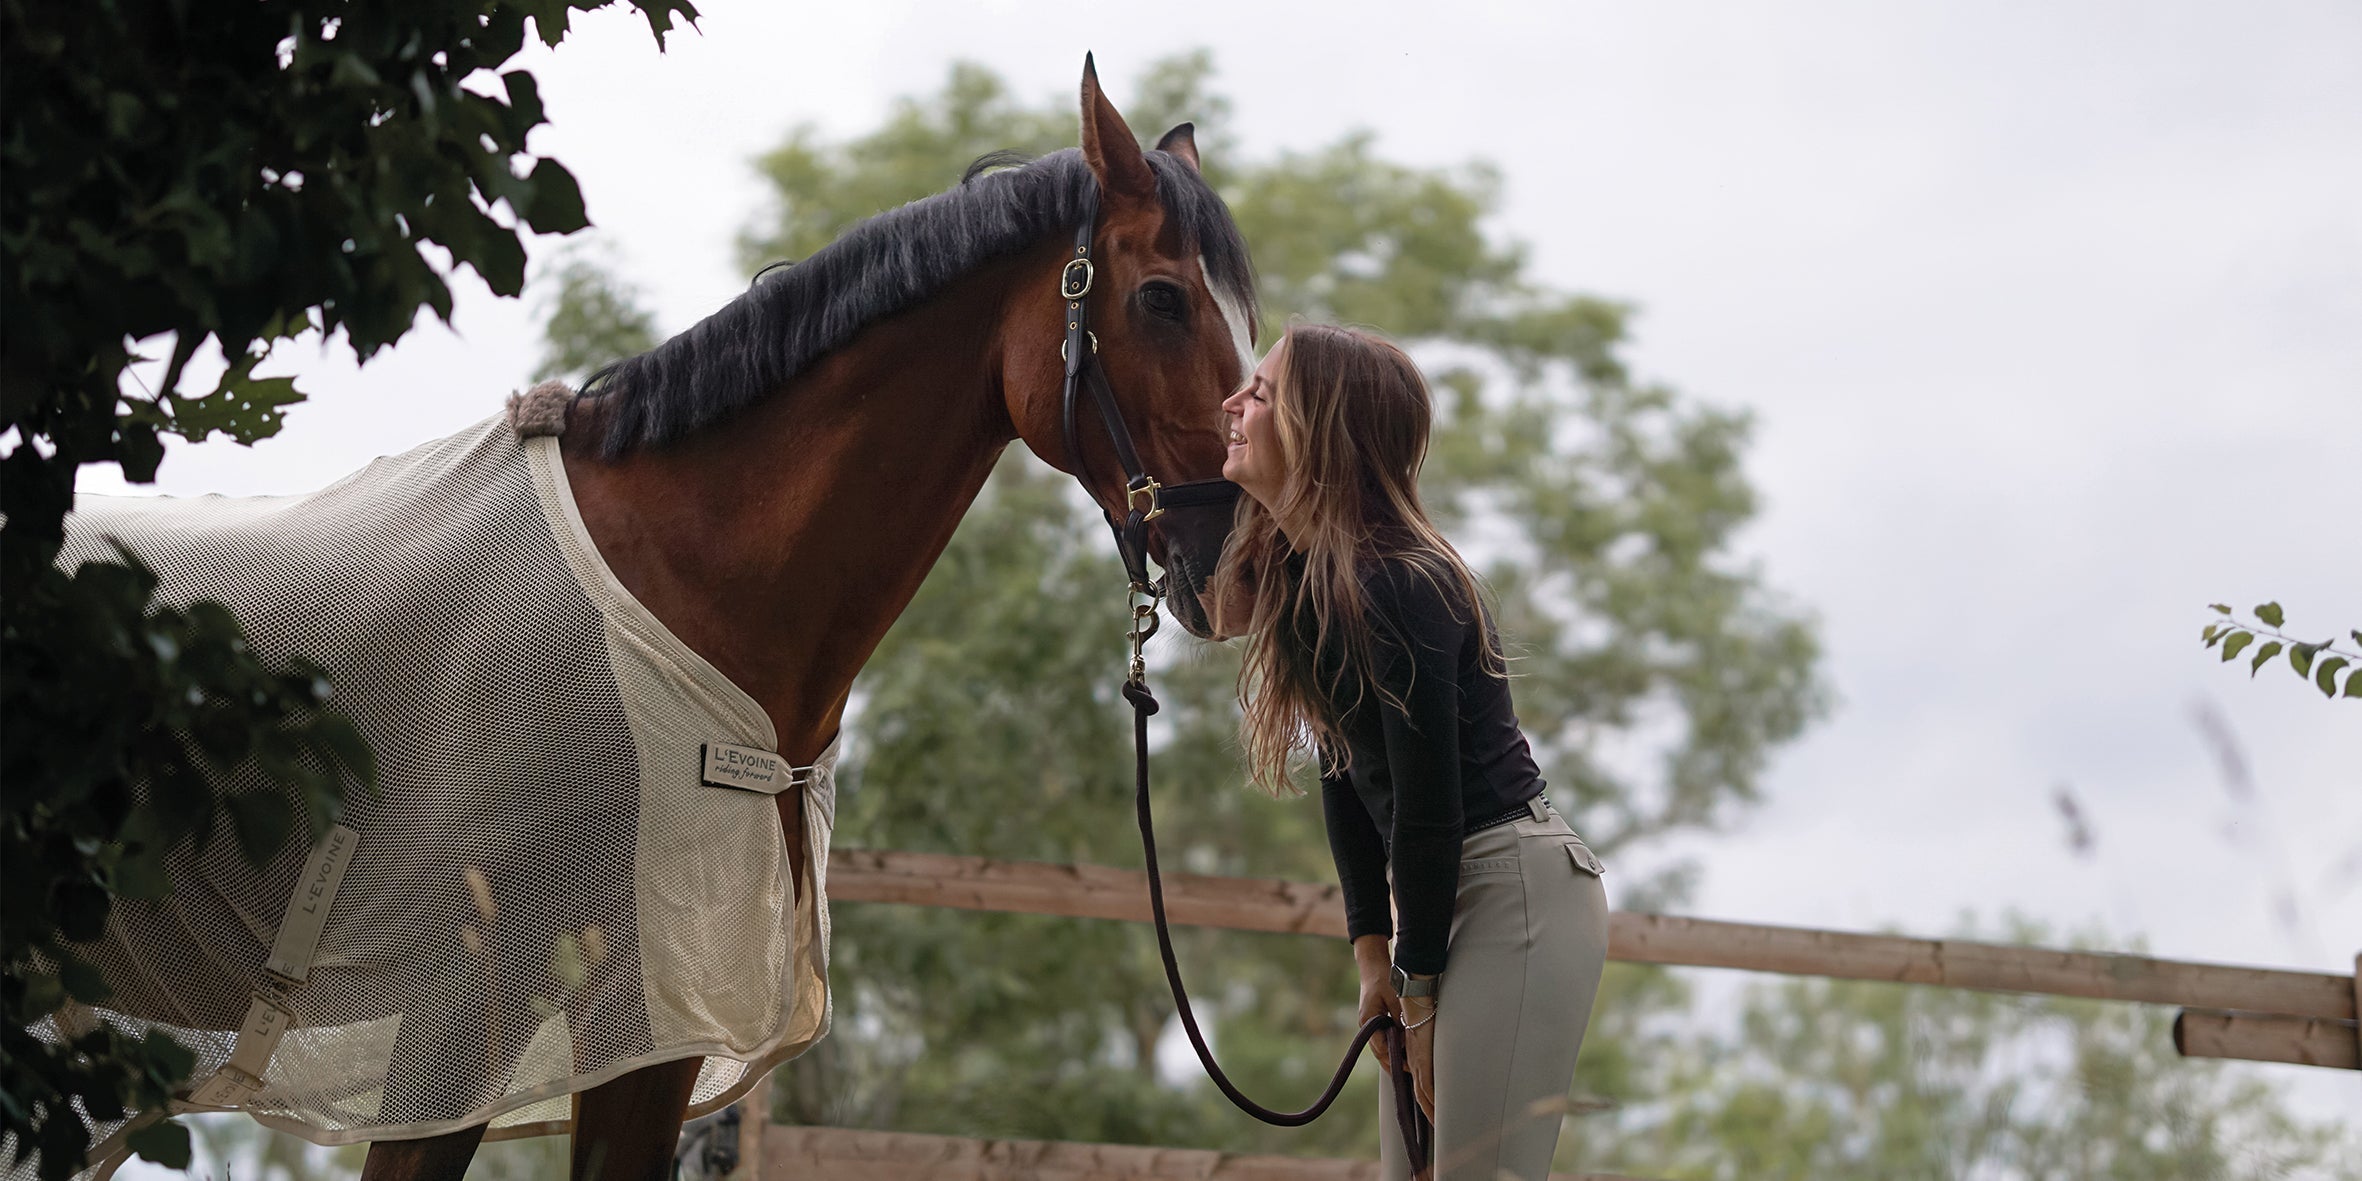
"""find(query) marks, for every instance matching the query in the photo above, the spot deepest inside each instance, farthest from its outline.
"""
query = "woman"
(1368, 644)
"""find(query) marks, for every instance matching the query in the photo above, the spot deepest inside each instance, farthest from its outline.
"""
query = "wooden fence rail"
(1255, 904)
(844, 1154)
(2267, 1037)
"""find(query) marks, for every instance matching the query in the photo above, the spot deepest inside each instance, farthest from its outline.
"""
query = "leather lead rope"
(1418, 1135)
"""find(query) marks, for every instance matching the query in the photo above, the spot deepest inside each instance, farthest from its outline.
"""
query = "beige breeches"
(1529, 939)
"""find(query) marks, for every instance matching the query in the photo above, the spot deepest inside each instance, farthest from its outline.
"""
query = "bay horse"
(773, 485)
(875, 385)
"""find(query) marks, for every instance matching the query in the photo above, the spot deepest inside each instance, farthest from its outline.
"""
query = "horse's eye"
(1164, 300)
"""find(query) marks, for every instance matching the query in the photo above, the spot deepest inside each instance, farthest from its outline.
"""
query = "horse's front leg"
(436, 1158)
(628, 1129)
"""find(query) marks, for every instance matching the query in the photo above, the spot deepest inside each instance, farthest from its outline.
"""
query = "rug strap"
(268, 1015)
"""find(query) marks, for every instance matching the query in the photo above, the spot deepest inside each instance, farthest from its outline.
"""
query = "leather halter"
(1144, 498)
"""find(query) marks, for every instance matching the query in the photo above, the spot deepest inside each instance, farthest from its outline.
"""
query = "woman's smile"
(1251, 433)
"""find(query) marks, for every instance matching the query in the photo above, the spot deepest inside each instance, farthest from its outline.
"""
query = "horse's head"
(1171, 305)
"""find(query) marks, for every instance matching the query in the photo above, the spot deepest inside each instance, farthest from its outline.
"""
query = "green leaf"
(2300, 658)
(139, 870)
(261, 822)
(2354, 683)
(2326, 675)
(2237, 641)
(245, 408)
(139, 451)
(2269, 650)
(557, 200)
(2269, 613)
(524, 100)
(141, 875)
(335, 733)
(2219, 609)
(500, 258)
(660, 16)
(81, 910)
(44, 992)
(83, 981)
(169, 1062)
(166, 1143)
(550, 18)
(2209, 634)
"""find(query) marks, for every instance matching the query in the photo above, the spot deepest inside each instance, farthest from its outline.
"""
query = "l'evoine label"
(745, 768)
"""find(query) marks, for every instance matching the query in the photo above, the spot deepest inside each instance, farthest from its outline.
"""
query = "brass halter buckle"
(1149, 488)
(1075, 281)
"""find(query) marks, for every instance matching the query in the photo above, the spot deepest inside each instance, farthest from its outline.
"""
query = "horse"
(769, 488)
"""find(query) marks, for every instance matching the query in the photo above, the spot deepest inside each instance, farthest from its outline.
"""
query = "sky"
(2050, 318)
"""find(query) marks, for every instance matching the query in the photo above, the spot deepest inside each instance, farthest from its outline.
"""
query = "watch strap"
(1411, 986)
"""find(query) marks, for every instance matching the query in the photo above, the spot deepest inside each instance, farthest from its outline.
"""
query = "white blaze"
(1241, 332)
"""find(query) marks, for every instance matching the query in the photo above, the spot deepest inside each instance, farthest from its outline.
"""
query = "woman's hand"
(1377, 996)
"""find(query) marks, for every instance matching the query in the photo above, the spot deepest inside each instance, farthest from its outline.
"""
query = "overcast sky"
(2050, 316)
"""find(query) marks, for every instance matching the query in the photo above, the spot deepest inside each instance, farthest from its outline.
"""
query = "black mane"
(885, 265)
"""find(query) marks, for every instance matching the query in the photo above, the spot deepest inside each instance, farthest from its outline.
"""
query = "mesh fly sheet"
(548, 891)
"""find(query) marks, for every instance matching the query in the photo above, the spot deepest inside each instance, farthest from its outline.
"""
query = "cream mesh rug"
(550, 890)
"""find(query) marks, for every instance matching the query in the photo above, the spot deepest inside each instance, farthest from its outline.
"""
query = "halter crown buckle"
(1149, 488)
(1072, 285)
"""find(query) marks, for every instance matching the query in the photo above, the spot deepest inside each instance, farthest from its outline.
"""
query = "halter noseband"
(1144, 498)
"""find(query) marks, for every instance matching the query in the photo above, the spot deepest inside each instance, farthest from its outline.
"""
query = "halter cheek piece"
(1144, 498)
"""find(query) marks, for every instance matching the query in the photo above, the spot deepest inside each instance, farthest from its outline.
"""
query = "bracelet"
(1423, 1021)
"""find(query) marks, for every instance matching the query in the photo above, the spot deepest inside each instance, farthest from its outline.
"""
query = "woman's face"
(1251, 417)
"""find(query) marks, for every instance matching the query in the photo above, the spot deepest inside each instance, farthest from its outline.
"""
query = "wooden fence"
(2227, 1011)
(2264, 1014)
(843, 1154)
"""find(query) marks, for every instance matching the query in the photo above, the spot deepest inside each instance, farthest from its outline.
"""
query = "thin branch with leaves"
(2318, 662)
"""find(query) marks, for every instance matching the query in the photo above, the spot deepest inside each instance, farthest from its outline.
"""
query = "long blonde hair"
(1352, 413)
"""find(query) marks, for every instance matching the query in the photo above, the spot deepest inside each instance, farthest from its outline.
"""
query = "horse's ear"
(1181, 141)
(1114, 156)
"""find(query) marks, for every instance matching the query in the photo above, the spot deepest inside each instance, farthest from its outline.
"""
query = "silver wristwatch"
(1406, 985)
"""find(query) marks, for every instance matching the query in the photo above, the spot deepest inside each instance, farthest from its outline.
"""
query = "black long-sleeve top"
(1450, 756)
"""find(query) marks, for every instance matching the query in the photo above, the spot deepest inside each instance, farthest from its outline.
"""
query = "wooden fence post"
(754, 1116)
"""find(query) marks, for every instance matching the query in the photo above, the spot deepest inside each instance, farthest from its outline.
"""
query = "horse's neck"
(783, 543)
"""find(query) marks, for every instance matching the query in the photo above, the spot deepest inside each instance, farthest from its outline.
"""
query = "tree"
(592, 318)
(183, 180)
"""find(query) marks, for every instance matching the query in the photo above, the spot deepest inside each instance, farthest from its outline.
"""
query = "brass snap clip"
(1144, 622)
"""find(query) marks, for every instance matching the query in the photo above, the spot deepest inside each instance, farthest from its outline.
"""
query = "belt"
(1532, 809)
